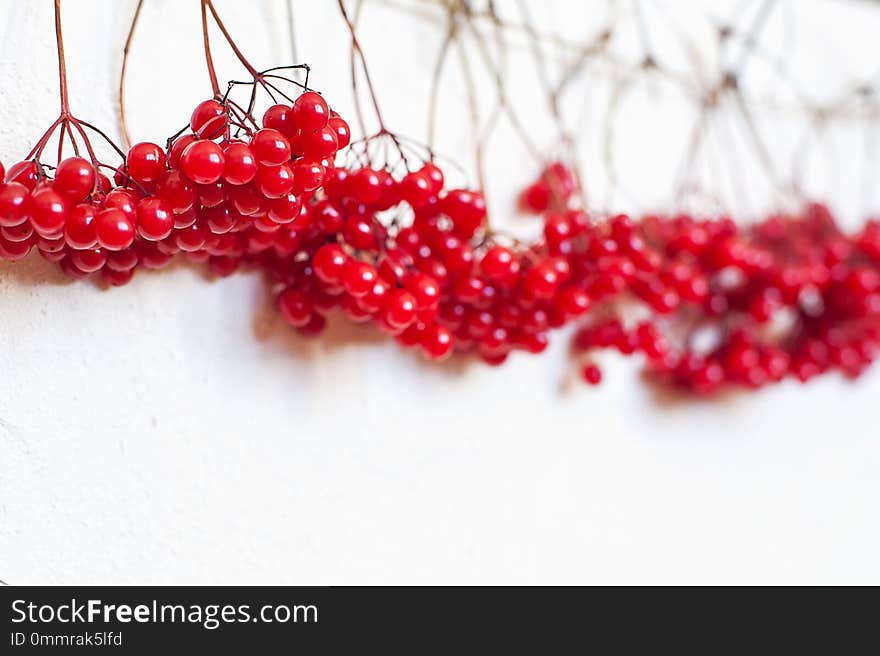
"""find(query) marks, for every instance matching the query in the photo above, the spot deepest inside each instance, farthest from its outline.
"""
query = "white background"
(173, 431)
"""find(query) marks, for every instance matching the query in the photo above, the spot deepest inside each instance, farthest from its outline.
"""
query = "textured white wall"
(173, 431)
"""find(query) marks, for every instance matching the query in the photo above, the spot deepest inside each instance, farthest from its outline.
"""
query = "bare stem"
(62, 66)
(215, 87)
(123, 126)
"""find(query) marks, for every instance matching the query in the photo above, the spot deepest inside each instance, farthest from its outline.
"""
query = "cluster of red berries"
(789, 296)
(210, 195)
(707, 302)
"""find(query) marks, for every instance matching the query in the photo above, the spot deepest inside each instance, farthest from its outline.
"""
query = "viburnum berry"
(310, 111)
(270, 147)
(275, 181)
(341, 130)
(177, 147)
(296, 307)
(280, 117)
(203, 162)
(79, 233)
(48, 211)
(437, 342)
(241, 165)
(113, 229)
(307, 176)
(24, 173)
(145, 162)
(318, 145)
(285, 209)
(591, 374)
(329, 262)
(178, 191)
(499, 263)
(358, 277)
(74, 178)
(400, 309)
(13, 199)
(209, 119)
(155, 219)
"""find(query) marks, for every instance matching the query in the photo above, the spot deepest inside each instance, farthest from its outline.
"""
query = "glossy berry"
(208, 119)
(113, 229)
(240, 164)
(48, 211)
(270, 147)
(75, 178)
(155, 219)
(145, 162)
(310, 112)
(203, 162)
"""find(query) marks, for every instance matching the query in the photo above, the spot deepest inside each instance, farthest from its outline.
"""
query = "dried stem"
(123, 125)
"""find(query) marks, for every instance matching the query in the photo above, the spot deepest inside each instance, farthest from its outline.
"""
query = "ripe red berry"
(74, 178)
(178, 191)
(310, 112)
(329, 262)
(48, 211)
(209, 119)
(437, 342)
(113, 229)
(79, 233)
(177, 148)
(203, 162)
(358, 277)
(241, 165)
(296, 307)
(318, 145)
(285, 209)
(155, 219)
(280, 117)
(13, 199)
(307, 176)
(591, 374)
(270, 147)
(145, 162)
(499, 263)
(341, 130)
(400, 309)
(25, 173)
(275, 181)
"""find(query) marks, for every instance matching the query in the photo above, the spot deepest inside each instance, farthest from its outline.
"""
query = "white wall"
(173, 431)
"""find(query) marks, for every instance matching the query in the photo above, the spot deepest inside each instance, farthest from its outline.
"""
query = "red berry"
(75, 178)
(285, 209)
(280, 117)
(241, 165)
(275, 181)
(436, 342)
(270, 147)
(329, 262)
(341, 130)
(499, 264)
(296, 307)
(203, 162)
(400, 309)
(591, 374)
(48, 211)
(307, 176)
(310, 112)
(358, 277)
(155, 219)
(79, 232)
(145, 162)
(13, 199)
(113, 229)
(209, 119)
